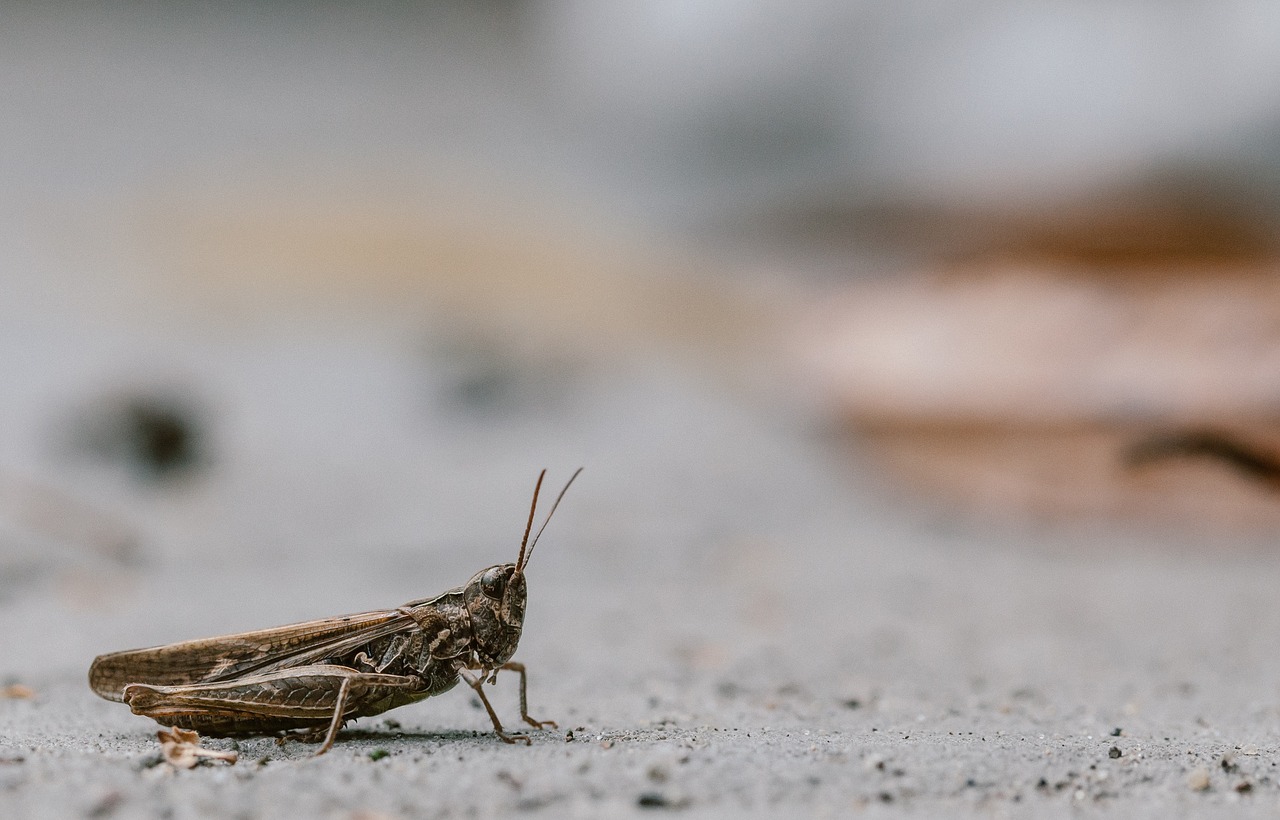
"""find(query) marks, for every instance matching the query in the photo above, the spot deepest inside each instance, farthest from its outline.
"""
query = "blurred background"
(311, 291)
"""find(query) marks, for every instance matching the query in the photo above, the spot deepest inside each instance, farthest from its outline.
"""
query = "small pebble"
(1198, 780)
(150, 761)
(653, 800)
(1114, 752)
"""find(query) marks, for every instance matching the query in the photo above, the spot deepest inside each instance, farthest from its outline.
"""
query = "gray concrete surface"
(724, 614)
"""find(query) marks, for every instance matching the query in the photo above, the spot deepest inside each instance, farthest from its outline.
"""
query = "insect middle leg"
(478, 684)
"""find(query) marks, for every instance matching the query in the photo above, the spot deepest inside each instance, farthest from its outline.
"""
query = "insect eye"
(494, 583)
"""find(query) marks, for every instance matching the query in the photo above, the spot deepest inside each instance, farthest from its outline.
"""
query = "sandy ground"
(724, 614)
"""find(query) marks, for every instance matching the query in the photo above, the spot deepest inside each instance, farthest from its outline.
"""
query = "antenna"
(529, 526)
(521, 563)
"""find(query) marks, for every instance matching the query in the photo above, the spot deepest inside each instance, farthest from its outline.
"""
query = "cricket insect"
(305, 680)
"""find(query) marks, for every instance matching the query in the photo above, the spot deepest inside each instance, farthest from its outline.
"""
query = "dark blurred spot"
(653, 800)
(728, 689)
(158, 437)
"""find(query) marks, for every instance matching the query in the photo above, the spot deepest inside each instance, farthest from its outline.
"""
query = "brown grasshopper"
(306, 680)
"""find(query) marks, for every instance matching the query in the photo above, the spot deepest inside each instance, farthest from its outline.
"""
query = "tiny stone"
(652, 800)
(1114, 752)
(1198, 780)
(568, 736)
(1244, 787)
(1116, 732)
(151, 761)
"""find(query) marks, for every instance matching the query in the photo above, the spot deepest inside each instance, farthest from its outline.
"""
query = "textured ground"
(723, 614)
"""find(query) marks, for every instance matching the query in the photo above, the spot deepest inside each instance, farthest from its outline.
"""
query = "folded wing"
(210, 660)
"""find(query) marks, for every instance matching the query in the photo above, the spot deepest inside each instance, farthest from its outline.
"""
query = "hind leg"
(311, 698)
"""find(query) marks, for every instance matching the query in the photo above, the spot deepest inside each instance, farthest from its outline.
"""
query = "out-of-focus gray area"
(850, 311)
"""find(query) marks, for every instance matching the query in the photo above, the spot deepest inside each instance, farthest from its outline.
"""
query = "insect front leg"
(518, 668)
(478, 684)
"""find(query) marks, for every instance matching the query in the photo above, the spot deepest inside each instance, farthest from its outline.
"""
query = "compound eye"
(494, 582)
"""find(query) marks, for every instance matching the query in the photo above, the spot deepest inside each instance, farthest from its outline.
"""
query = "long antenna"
(529, 526)
(520, 565)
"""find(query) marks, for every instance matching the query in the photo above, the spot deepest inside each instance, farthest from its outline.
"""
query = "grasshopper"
(306, 680)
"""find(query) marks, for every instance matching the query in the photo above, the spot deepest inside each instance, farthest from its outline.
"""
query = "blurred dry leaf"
(1017, 380)
(181, 749)
(17, 691)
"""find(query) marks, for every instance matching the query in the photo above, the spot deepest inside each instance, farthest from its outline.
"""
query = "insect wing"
(209, 660)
